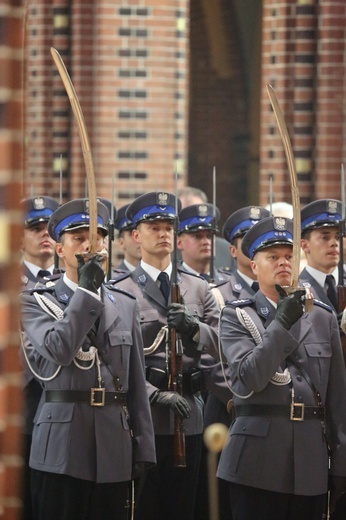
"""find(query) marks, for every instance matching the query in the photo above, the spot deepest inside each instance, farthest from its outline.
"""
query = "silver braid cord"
(279, 378)
(57, 313)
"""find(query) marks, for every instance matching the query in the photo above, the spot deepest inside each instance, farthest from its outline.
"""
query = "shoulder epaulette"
(240, 303)
(182, 271)
(40, 288)
(323, 305)
(226, 270)
(122, 276)
(111, 287)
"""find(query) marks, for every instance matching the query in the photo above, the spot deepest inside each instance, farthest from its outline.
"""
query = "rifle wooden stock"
(175, 383)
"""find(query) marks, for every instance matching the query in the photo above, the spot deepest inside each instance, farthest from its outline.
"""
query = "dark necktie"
(164, 284)
(205, 276)
(42, 273)
(331, 291)
(255, 286)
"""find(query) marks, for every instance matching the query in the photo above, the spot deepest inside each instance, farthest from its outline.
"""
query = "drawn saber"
(294, 188)
(294, 191)
(89, 166)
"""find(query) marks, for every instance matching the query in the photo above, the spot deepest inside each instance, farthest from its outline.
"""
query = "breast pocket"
(120, 348)
(52, 433)
(319, 356)
(151, 324)
(196, 309)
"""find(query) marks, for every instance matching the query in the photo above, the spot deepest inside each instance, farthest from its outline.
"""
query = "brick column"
(304, 60)
(11, 158)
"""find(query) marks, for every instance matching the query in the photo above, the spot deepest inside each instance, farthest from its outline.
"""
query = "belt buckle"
(97, 391)
(294, 409)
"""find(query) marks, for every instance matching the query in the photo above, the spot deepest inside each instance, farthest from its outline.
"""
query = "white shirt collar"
(246, 278)
(321, 277)
(153, 272)
(129, 266)
(35, 268)
(190, 270)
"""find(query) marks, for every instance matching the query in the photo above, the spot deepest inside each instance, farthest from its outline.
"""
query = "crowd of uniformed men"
(105, 393)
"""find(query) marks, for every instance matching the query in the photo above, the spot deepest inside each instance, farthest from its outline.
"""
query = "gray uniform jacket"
(305, 279)
(77, 439)
(153, 308)
(274, 452)
(235, 288)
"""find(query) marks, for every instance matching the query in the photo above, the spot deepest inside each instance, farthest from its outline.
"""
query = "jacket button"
(93, 312)
(299, 378)
(49, 416)
(244, 428)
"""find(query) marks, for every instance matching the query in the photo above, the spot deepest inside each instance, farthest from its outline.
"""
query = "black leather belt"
(94, 397)
(294, 411)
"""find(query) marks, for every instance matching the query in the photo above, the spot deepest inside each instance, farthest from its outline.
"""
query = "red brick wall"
(129, 66)
(11, 144)
(303, 58)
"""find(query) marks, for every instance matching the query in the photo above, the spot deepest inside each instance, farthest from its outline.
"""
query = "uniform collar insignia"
(306, 284)
(24, 279)
(142, 279)
(238, 286)
(265, 311)
(64, 297)
(50, 284)
(111, 297)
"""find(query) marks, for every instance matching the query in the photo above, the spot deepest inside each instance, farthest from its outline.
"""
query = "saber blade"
(294, 186)
(83, 135)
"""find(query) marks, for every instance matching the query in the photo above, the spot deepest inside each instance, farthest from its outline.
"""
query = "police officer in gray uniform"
(197, 228)
(93, 430)
(169, 492)
(38, 247)
(37, 263)
(130, 248)
(241, 283)
(289, 390)
(320, 242)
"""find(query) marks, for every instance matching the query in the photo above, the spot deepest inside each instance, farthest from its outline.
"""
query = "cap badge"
(162, 199)
(280, 223)
(38, 203)
(255, 213)
(86, 206)
(332, 206)
(202, 210)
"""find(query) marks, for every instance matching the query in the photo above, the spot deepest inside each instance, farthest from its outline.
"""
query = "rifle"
(341, 289)
(175, 381)
(213, 228)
